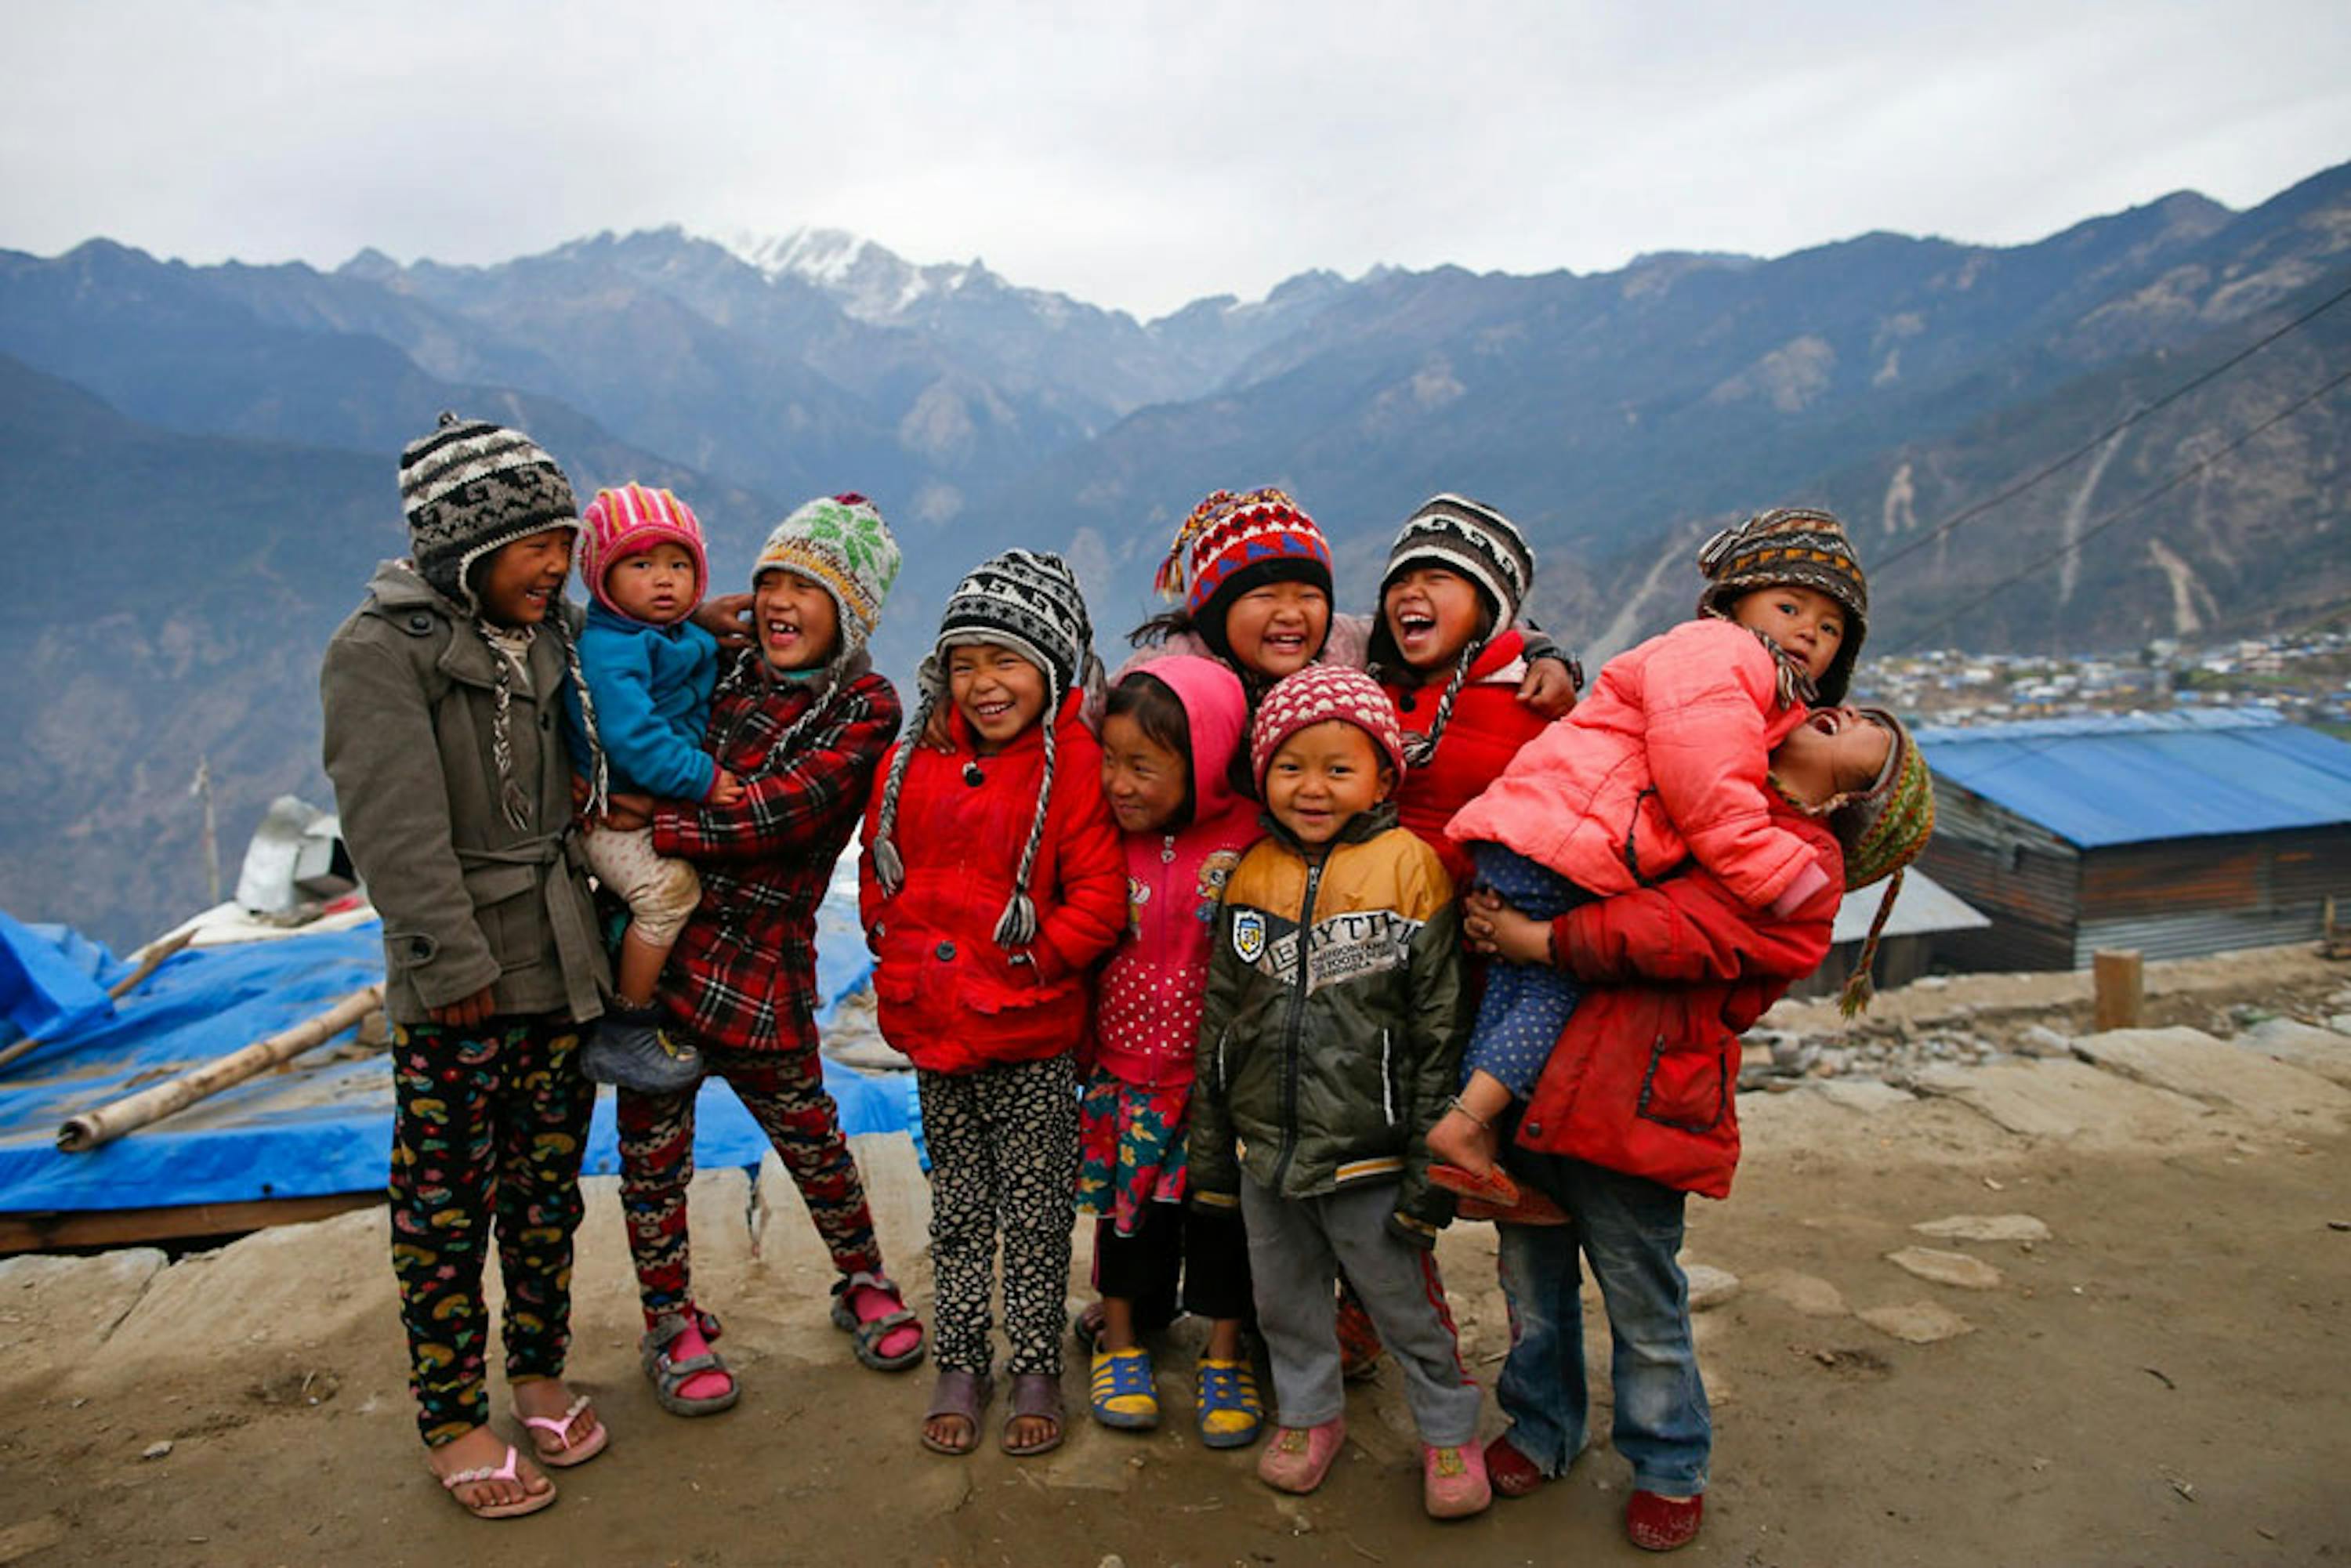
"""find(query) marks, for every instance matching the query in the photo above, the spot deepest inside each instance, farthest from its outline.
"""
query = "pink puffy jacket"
(1663, 761)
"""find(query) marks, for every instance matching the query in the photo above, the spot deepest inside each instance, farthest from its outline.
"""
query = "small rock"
(1865, 1095)
(1916, 1322)
(2041, 1040)
(1709, 1286)
(1825, 1067)
(1947, 1267)
(157, 1450)
(1807, 1293)
(1984, 1227)
(1787, 1051)
(1113, 1561)
(1781, 1085)
(2340, 1023)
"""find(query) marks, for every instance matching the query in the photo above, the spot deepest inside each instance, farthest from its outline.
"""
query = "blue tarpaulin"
(323, 1126)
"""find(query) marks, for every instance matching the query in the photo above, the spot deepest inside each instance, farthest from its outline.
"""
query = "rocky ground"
(1990, 1292)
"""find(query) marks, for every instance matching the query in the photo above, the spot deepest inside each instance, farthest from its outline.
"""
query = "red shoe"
(1495, 1196)
(1511, 1473)
(1359, 1341)
(1655, 1523)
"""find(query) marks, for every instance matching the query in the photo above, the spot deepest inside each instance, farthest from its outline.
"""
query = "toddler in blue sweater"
(650, 671)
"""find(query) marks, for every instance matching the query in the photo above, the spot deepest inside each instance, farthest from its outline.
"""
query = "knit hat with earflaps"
(1882, 830)
(841, 544)
(469, 489)
(1798, 545)
(1316, 695)
(1232, 544)
(1029, 601)
(629, 521)
(1479, 544)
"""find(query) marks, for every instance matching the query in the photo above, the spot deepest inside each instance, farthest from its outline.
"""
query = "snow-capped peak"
(868, 280)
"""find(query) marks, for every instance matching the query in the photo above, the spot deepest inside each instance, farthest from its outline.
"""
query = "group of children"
(1197, 948)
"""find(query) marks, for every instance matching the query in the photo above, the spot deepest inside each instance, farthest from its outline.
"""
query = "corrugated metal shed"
(2128, 779)
(1922, 908)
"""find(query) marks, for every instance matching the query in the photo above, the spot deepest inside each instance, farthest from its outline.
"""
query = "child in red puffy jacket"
(1663, 763)
(993, 878)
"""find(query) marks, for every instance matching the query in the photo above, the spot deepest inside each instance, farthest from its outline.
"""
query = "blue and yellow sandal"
(1231, 1414)
(1121, 1389)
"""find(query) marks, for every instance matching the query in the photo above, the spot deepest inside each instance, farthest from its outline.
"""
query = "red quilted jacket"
(1489, 726)
(949, 996)
(1644, 1077)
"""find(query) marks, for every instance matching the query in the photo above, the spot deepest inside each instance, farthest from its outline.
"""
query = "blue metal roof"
(2130, 779)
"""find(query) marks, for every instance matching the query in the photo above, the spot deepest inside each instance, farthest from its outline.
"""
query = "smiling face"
(1432, 614)
(1144, 782)
(1323, 776)
(522, 579)
(1278, 629)
(999, 692)
(1835, 751)
(795, 620)
(1805, 622)
(655, 586)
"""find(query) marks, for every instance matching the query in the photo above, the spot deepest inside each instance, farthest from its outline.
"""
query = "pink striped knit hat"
(1314, 694)
(629, 521)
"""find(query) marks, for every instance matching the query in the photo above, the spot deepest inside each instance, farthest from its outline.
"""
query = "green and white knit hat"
(1882, 830)
(841, 544)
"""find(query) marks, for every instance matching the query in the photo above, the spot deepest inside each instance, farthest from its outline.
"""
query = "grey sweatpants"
(1297, 1247)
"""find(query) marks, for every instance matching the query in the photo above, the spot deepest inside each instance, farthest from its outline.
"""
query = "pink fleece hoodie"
(1148, 1004)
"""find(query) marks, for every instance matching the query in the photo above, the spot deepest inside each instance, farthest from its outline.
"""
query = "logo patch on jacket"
(1248, 935)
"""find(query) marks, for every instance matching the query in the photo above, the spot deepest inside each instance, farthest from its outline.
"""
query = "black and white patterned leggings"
(1004, 1156)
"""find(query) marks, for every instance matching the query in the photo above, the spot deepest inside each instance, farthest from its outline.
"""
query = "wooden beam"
(2120, 982)
(135, 1227)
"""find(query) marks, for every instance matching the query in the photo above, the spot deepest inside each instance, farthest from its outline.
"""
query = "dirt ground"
(2162, 1381)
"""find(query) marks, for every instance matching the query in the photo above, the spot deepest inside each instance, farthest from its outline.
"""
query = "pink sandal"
(529, 1502)
(565, 1453)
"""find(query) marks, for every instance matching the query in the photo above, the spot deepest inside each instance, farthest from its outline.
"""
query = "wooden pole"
(2120, 982)
(115, 992)
(112, 1120)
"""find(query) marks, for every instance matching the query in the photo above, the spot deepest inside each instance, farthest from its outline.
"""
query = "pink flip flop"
(565, 1453)
(529, 1502)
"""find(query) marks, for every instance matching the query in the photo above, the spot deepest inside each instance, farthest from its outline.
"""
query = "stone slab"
(2189, 1061)
(1916, 1322)
(1985, 1228)
(2064, 1100)
(1941, 1268)
(2306, 1046)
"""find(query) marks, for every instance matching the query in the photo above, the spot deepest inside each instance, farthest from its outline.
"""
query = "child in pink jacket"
(1168, 739)
(1663, 763)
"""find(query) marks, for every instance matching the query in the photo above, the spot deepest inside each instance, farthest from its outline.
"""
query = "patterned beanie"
(1029, 601)
(1232, 543)
(1477, 543)
(1473, 540)
(841, 544)
(1797, 545)
(1882, 830)
(1314, 694)
(629, 521)
(469, 488)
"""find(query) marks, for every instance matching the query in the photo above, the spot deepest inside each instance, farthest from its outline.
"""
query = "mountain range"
(212, 448)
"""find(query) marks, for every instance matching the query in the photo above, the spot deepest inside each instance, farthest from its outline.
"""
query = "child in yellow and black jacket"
(1329, 1042)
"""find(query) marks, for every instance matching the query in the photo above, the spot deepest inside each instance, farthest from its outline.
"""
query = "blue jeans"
(1630, 1229)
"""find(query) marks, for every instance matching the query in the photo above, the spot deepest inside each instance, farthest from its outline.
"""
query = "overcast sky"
(1142, 155)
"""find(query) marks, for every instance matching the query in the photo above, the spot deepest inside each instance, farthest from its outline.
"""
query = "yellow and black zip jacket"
(1334, 1021)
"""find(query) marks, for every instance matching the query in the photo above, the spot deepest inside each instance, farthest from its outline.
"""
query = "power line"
(2132, 506)
(1967, 513)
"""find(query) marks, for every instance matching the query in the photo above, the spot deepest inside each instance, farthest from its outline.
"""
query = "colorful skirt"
(1130, 1148)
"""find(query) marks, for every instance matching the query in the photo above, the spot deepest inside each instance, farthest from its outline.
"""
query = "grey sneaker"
(629, 1049)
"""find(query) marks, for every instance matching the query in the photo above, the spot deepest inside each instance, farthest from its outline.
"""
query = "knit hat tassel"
(1859, 988)
(1017, 928)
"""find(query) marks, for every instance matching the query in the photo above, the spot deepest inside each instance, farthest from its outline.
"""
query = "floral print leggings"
(489, 1126)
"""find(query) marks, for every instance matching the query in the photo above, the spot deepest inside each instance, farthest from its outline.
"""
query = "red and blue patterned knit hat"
(1231, 543)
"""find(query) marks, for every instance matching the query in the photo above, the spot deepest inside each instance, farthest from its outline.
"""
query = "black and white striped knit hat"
(1029, 601)
(1478, 543)
(1799, 545)
(471, 486)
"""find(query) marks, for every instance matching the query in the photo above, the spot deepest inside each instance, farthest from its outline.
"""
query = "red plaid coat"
(743, 973)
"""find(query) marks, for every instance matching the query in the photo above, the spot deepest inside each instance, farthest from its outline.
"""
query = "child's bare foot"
(482, 1454)
(1460, 1139)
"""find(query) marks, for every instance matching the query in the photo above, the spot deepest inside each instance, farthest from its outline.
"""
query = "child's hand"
(727, 617)
(626, 813)
(726, 789)
(1492, 927)
(464, 1014)
(1548, 688)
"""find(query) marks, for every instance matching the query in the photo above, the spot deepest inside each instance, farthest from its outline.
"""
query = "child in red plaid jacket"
(804, 722)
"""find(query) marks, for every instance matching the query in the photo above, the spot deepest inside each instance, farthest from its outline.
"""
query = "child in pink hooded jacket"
(1169, 737)
(1663, 763)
